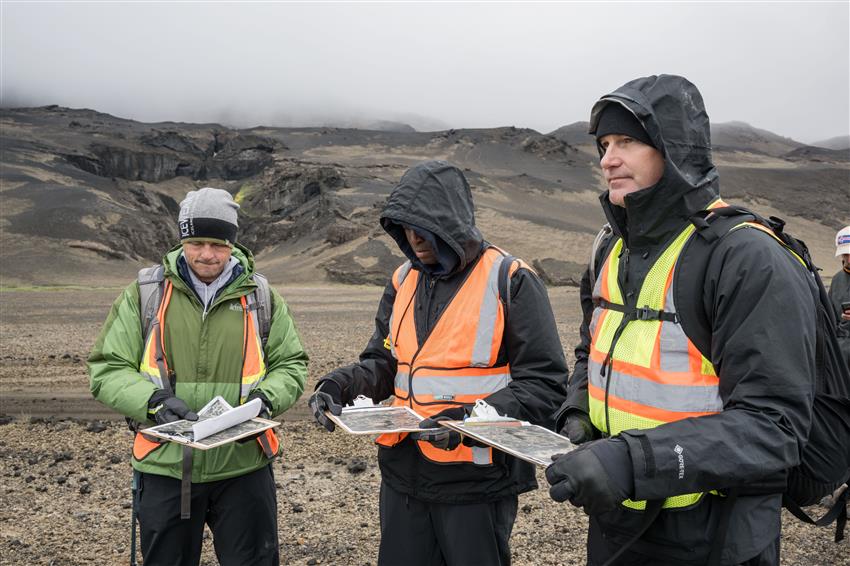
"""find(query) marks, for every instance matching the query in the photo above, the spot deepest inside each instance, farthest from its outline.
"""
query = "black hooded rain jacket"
(762, 321)
(435, 196)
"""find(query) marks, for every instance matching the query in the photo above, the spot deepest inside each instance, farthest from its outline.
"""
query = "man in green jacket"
(206, 339)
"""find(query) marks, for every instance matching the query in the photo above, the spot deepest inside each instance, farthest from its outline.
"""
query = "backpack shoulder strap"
(151, 281)
(711, 226)
(600, 242)
(504, 281)
(263, 300)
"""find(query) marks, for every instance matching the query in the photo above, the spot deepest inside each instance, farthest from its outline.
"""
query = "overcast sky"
(782, 66)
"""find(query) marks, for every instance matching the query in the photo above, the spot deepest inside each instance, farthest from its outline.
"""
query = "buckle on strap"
(646, 313)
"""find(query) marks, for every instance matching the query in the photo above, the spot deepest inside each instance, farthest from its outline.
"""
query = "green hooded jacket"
(206, 357)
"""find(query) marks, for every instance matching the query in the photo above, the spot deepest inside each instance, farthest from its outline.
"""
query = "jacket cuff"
(566, 410)
(262, 397)
(615, 457)
(644, 469)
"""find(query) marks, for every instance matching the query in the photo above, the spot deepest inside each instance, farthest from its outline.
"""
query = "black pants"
(241, 512)
(599, 550)
(416, 533)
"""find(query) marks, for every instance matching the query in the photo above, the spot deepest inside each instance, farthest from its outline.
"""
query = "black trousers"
(417, 533)
(599, 550)
(241, 512)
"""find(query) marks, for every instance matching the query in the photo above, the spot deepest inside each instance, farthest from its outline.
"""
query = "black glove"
(597, 476)
(328, 397)
(472, 443)
(163, 407)
(578, 428)
(266, 411)
(441, 437)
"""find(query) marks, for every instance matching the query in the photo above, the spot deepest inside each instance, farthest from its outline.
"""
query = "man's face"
(421, 247)
(628, 166)
(207, 259)
(845, 261)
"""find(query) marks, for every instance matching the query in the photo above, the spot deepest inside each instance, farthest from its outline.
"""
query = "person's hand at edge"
(327, 397)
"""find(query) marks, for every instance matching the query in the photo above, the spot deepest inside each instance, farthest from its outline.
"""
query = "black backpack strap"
(837, 512)
(505, 281)
(600, 243)
(691, 268)
(722, 527)
(640, 313)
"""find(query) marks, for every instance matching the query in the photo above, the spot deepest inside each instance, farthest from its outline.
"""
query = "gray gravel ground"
(65, 482)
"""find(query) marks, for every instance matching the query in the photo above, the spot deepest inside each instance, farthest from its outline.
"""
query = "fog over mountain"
(433, 67)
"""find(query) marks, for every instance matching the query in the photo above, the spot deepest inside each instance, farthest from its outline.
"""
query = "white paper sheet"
(226, 419)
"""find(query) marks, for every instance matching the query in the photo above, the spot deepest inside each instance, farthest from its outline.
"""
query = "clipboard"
(376, 420)
(526, 441)
(247, 428)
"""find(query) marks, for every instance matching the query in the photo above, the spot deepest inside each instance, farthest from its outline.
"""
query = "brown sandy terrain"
(65, 491)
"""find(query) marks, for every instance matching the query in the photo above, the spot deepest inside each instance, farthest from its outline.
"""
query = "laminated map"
(218, 423)
(526, 441)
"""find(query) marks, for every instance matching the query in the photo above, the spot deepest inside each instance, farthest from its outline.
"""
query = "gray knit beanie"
(208, 214)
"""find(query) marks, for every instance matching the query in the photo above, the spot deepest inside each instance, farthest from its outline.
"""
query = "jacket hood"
(434, 196)
(672, 112)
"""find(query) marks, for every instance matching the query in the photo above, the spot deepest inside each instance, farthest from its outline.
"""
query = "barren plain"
(64, 459)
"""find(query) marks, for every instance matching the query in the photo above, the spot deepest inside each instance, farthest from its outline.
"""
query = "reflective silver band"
(487, 318)
(449, 386)
(480, 455)
(667, 397)
(153, 379)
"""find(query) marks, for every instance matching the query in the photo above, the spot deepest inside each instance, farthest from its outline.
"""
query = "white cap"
(842, 241)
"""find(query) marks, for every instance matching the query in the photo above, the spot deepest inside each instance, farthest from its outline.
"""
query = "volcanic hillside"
(88, 198)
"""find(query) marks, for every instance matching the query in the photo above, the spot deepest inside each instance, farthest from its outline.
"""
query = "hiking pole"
(134, 487)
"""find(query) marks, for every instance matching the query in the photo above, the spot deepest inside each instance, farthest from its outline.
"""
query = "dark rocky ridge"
(165, 155)
(87, 195)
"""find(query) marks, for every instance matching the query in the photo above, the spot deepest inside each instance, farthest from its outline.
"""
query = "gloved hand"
(163, 407)
(328, 397)
(266, 411)
(441, 437)
(577, 427)
(597, 476)
(472, 443)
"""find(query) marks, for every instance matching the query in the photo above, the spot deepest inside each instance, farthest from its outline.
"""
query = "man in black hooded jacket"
(684, 424)
(435, 507)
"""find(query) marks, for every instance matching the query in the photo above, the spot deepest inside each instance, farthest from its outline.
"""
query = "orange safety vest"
(154, 364)
(456, 365)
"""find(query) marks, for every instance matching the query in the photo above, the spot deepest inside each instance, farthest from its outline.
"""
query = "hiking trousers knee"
(418, 533)
(241, 513)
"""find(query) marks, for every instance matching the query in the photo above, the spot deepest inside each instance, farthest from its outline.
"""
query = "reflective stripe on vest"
(655, 375)
(456, 363)
(253, 364)
(154, 354)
